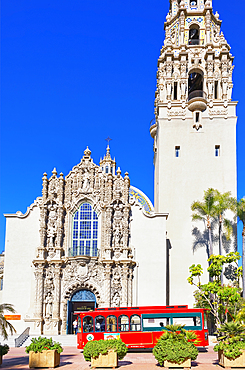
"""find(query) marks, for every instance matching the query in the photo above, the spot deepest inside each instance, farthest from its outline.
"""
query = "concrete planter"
(49, 358)
(237, 362)
(185, 365)
(109, 360)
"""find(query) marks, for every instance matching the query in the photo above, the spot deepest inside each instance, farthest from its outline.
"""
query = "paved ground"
(72, 359)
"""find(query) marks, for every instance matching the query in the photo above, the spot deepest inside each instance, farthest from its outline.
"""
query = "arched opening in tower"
(195, 85)
(194, 35)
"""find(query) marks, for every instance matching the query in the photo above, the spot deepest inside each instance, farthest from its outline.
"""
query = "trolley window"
(135, 323)
(191, 322)
(99, 323)
(111, 323)
(205, 321)
(123, 323)
(79, 325)
(155, 323)
(88, 326)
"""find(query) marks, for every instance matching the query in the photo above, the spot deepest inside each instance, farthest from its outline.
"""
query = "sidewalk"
(72, 359)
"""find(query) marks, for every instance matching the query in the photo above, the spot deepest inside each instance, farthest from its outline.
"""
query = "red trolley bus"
(139, 327)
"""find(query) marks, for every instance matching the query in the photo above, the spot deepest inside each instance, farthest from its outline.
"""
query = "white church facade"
(94, 240)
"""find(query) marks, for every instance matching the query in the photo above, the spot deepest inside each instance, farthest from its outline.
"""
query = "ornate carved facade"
(59, 269)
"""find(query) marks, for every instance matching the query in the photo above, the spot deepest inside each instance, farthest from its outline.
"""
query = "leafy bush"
(231, 338)
(4, 349)
(95, 347)
(176, 345)
(43, 344)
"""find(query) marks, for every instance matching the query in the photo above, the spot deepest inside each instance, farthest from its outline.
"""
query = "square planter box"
(185, 365)
(237, 362)
(109, 360)
(49, 358)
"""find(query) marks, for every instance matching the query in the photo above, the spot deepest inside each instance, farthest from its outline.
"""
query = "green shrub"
(43, 344)
(175, 345)
(231, 339)
(4, 349)
(95, 347)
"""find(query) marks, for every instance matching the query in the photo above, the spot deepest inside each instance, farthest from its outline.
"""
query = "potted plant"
(231, 345)
(176, 347)
(105, 353)
(44, 352)
(3, 351)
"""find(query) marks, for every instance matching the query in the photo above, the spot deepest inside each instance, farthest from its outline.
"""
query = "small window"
(123, 323)
(217, 150)
(88, 326)
(177, 151)
(111, 324)
(99, 324)
(175, 91)
(107, 169)
(197, 117)
(135, 324)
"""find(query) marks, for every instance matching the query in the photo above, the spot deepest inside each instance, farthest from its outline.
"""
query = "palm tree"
(206, 211)
(223, 202)
(5, 325)
(241, 216)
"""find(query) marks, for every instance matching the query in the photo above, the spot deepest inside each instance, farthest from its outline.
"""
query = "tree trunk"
(220, 247)
(243, 261)
(210, 243)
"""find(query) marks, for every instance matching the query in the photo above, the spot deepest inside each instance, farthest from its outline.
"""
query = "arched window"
(123, 323)
(111, 323)
(85, 232)
(135, 323)
(88, 326)
(100, 323)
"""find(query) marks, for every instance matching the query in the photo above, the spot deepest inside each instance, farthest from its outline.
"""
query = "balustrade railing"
(22, 337)
(197, 94)
(79, 252)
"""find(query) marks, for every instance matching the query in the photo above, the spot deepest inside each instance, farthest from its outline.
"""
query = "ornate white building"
(81, 245)
(94, 240)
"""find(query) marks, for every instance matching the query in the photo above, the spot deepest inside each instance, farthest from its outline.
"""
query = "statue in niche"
(48, 305)
(210, 89)
(116, 300)
(117, 237)
(52, 226)
(183, 89)
(86, 181)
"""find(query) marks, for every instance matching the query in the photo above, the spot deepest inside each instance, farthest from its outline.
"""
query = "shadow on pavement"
(124, 363)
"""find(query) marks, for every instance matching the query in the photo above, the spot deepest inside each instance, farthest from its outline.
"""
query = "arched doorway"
(81, 300)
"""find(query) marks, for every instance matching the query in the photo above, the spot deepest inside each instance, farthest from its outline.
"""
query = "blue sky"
(75, 72)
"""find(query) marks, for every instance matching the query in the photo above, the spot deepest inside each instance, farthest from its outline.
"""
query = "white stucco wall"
(148, 239)
(180, 181)
(22, 239)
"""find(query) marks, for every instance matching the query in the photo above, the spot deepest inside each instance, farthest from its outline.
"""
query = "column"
(124, 301)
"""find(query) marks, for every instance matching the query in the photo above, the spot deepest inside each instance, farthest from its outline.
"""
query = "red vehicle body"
(139, 327)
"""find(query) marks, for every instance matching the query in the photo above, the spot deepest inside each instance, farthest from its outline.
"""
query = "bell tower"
(194, 130)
